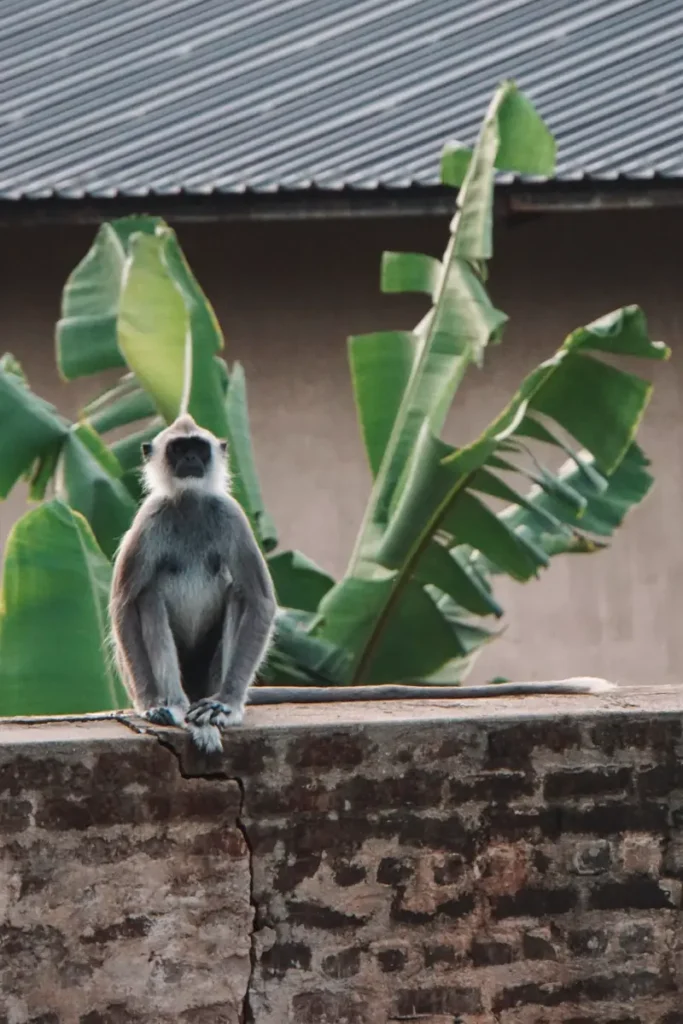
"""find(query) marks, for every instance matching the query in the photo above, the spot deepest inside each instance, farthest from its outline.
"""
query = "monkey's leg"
(246, 633)
(168, 703)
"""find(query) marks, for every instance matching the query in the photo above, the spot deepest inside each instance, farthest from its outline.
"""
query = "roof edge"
(585, 195)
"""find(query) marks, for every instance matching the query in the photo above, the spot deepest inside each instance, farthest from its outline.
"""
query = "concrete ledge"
(510, 860)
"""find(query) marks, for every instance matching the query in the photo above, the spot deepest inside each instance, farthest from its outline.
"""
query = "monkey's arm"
(141, 635)
(329, 694)
(249, 620)
(249, 614)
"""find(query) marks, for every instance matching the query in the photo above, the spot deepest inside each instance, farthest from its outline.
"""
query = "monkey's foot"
(207, 738)
(165, 714)
(213, 712)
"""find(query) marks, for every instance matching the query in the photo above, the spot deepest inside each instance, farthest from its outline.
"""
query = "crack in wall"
(247, 1016)
(246, 1012)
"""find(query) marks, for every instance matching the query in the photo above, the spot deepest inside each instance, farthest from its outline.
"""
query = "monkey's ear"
(223, 445)
(146, 448)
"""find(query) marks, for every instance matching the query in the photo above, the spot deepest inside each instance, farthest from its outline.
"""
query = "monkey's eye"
(223, 446)
(146, 448)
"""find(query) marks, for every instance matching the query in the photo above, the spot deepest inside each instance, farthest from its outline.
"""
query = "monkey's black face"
(188, 456)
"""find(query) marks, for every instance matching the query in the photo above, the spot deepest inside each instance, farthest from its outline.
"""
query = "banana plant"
(410, 605)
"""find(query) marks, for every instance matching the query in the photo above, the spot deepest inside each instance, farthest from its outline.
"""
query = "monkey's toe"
(209, 712)
(165, 715)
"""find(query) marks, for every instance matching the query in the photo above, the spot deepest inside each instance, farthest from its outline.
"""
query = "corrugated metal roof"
(119, 97)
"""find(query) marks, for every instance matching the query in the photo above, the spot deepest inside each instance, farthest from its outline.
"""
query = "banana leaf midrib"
(379, 486)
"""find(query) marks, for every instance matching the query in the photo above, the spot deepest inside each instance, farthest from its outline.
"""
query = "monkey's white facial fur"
(185, 457)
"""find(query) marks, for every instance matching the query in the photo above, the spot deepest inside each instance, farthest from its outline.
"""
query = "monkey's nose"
(190, 465)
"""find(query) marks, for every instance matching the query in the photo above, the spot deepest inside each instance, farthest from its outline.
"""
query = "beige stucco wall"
(287, 297)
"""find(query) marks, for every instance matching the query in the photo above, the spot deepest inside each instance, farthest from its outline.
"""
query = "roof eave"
(583, 195)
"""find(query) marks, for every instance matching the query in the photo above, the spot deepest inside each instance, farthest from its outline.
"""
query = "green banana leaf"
(565, 532)
(300, 659)
(245, 482)
(421, 371)
(134, 302)
(153, 325)
(89, 480)
(87, 332)
(442, 539)
(30, 428)
(53, 618)
(299, 582)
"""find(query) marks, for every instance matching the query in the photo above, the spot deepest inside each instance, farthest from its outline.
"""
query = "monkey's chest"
(194, 593)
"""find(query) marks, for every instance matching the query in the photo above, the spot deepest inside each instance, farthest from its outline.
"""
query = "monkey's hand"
(210, 711)
(165, 714)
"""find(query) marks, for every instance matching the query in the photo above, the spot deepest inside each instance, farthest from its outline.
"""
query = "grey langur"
(192, 603)
(193, 607)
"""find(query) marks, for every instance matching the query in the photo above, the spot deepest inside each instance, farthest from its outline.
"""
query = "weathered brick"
(26, 948)
(133, 927)
(634, 894)
(301, 795)
(507, 822)
(450, 871)
(437, 999)
(316, 915)
(15, 815)
(609, 1019)
(641, 854)
(591, 857)
(283, 957)
(459, 906)
(391, 960)
(290, 874)
(330, 1008)
(115, 1013)
(598, 988)
(415, 788)
(488, 952)
(346, 875)
(393, 871)
(250, 756)
(491, 787)
(660, 779)
(344, 964)
(533, 902)
(511, 746)
(587, 941)
(538, 947)
(443, 834)
(330, 750)
(608, 819)
(209, 1014)
(441, 954)
(636, 939)
(633, 734)
(586, 782)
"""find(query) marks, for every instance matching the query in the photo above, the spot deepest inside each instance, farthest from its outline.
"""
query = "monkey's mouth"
(189, 467)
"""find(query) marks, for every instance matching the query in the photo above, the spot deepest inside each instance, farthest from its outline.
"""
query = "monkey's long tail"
(330, 694)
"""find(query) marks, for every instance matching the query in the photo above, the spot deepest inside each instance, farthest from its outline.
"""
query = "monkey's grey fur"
(192, 603)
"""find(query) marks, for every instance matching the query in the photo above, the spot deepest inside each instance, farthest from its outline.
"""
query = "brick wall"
(513, 861)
